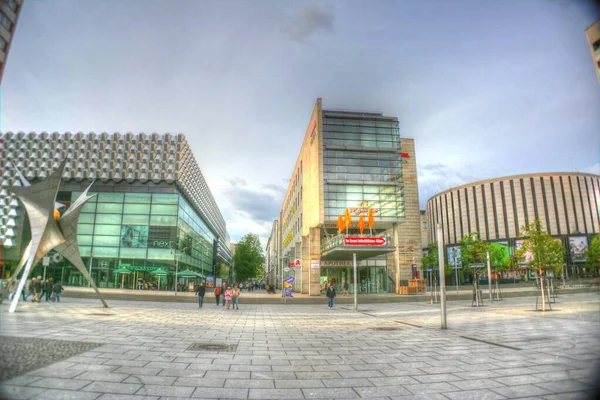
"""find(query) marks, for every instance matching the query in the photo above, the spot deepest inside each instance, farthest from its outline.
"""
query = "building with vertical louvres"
(567, 205)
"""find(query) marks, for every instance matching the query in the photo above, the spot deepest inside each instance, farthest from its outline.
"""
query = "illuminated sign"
(362, 209)
(288, 238)
(364, 241)
(332, 263)
(295, 263)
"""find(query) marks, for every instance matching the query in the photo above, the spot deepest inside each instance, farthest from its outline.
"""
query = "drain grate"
(213, 347)
(386, 328)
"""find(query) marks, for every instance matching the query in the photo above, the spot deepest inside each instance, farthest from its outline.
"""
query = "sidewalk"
(262, 297)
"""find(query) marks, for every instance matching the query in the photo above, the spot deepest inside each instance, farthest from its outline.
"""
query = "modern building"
(272, 271)
(592, 34)
(567, 205)
(153, 208)
(9, 15)
(355, 161)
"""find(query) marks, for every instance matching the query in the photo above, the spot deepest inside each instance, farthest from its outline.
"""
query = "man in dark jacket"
(57, 289)
(330, 295)
(201, 291)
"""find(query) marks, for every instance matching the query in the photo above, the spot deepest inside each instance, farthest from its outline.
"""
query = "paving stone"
(55, 373)
(60, 383)
(150, 379)
(19, 392)
(199, 382)
(22, 380)
(477, 384)
(521, 391)
(481, 394)
(57, 394)
(112, 387)
(163, 390)
(228, 374)
(317, 375)
(371, 392)
(221, 393)
(519, 380)
(276, 394)
(273, 375)
(425, 388)
(393, 380)
(563, 386)
(126, 369)
(102, 376)
(298, 383)
(340, 383)
(436, 378)
(330, 393)
(192, 373)
(112, 396)
(570, 396)
(250, 383)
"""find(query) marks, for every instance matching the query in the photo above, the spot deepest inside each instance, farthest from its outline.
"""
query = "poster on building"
(528, 255)
(162, 237)
(210, 281)
(454, 256)
(504, 250)
(578, 246)
(134, 236)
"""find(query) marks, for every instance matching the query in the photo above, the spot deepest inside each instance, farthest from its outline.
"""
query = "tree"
(593, 254)
(546, 252)
(248, 257)
(432, 260)
(474, 254)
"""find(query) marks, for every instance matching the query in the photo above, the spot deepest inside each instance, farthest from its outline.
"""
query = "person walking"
(218, 294)
(57, 290)
(228, 297)
(48, 288)
(235, 294)
(223, 290)
(346, 287)
(37, 287)
(330, 296)
(201, 291)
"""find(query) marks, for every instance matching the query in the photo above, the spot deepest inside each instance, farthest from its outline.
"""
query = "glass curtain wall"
(141, 231)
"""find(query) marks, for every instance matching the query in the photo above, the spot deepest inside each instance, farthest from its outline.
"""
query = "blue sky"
(486, 88)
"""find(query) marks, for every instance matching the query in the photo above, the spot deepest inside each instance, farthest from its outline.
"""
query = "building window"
(5, 21)
(12, 4)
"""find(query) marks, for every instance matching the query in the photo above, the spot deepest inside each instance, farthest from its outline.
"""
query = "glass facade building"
(164, 219)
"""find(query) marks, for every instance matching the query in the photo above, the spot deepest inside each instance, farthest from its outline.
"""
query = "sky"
(486, 88)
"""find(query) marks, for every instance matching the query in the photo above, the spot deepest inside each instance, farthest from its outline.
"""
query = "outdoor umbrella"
(122, 271)
(159, 272)
(188, 274)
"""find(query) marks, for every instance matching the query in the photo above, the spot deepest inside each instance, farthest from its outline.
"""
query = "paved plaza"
(152, 350)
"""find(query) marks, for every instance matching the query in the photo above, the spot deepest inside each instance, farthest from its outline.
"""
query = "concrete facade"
(305, 219)
(592, 34)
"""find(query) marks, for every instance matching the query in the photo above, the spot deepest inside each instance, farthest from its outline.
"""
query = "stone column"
(314, 252)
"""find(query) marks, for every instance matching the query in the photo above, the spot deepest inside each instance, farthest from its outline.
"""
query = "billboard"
(578, 246)
(162, 237)
(528, 255)
(134, 236)
(504, 249)
(454, 256)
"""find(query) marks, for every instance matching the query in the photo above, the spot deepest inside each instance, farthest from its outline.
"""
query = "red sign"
(404, 155)
(364, 241)
(293, 264)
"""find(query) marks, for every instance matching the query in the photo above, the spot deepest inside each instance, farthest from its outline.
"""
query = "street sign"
(315, 263)
(286, 269)
(46, 261)
(477, 265)
(364, 241)
(457, 267)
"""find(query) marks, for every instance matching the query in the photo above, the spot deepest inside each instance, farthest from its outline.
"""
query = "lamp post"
(455, 269)
(440, 240)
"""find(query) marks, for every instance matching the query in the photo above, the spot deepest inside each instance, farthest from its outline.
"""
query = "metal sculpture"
(49, 230)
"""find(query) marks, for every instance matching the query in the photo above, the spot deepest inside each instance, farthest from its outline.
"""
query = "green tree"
(547, 253)
(260, 274)
(474, 253)
(248, 257)
(431, 260)
(593, 254)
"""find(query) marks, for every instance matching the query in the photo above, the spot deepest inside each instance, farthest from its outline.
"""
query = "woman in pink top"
(228, 297)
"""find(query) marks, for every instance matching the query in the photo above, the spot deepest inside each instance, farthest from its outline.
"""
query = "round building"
(566, 203)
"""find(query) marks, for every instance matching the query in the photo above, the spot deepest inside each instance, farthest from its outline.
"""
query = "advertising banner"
(454, 256)
(578, 246)
(528, 255)
(210, 281)
(134, 236)
(162, 237)
(503, 247)
(315, 263)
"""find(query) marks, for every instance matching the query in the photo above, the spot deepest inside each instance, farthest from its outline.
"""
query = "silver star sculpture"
(48, 229)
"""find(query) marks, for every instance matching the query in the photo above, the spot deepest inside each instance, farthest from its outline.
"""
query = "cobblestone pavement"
(19, 355)
(384, 351)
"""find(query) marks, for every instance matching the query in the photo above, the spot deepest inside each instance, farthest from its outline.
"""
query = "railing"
(338, 240)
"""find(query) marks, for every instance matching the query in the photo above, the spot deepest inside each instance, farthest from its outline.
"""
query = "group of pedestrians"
(38, 288)
(228, 295)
